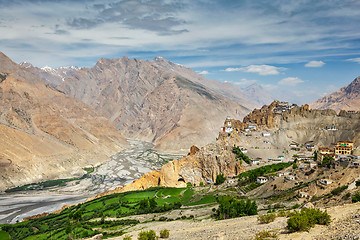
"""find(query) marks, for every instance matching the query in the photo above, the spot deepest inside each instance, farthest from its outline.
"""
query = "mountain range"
(156, 101)
(45, 134)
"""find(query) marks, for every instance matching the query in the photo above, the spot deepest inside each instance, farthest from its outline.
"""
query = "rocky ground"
(345, 225)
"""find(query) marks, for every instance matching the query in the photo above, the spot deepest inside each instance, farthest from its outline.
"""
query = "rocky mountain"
(347, 98)
(249, 99)
(156, 101)
(50, 75)
(45, 134)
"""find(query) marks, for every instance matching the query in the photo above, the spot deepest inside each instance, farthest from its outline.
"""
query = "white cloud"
(357, 60)
(260, 69)
(245, 82)
(315, 64)
(232, 69)
(290, 81)
(203, 72)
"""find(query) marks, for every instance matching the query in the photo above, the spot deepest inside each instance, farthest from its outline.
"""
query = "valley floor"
(122, 168)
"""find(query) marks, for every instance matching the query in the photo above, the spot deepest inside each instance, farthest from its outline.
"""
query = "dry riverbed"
(122, 168)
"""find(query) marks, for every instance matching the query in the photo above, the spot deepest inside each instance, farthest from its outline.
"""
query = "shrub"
(147, 235)
(220, 179)
(127, 237)
(356, 197)
(357, 183)
(283, 213)
(346, 196)
(339, 190)
(266, 235)
(201, 184)
(306, 219)
(266, 218)
(164, 233)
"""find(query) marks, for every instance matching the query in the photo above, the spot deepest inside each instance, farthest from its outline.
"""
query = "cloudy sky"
(298, 50)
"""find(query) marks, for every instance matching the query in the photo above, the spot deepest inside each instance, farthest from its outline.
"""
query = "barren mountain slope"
(249, 99)
(151, 104)
(45, 134)
(347, 98)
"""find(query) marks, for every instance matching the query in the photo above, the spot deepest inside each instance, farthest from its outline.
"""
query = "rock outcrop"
(45, 134)
(204, 165)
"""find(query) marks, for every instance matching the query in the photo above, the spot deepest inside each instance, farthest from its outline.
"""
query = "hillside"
(45, 134)
(151, 104)
(346, 98)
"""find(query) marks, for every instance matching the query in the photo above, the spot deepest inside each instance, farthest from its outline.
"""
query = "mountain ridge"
(346, 98)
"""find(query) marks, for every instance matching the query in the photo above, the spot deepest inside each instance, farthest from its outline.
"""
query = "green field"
(4, 235)
(88, 219)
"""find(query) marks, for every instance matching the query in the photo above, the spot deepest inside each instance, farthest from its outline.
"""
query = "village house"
(312, 164)
(244, 150)
(266, 134)
(325, 181)
(331, 128)
(326, 150)
(252, 127)
(256, 161)
(231, 181)
(303, 195)
(279, 174)
(344, 148)
(290, 177)
(261, 180)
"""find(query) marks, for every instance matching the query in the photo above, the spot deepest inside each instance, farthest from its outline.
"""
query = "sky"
(298, 50)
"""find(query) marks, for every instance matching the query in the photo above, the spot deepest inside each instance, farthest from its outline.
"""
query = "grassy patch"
(4, 235)
(204, 200)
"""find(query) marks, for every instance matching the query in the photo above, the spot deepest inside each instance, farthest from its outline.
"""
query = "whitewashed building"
(261, 179)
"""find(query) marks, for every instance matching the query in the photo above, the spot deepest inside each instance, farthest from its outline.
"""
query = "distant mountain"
(50, 75)
(258, 94)
(45, 134)
(157, 100)
(347, 98)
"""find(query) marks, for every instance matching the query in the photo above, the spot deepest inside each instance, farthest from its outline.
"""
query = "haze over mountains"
(346, 98)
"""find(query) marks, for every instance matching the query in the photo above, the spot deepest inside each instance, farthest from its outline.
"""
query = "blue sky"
(299, 50)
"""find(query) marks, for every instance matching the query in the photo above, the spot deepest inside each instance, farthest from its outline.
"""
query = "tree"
(152, 203)
(315, 155)
(294, 166)
(220, 179)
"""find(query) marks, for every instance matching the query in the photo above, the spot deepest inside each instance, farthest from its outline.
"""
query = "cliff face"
(201, 166)
(45, 134)
(301, 124)
(346, 98)
(151, 104)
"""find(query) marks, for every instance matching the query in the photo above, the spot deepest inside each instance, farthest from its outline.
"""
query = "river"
(122, 168)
